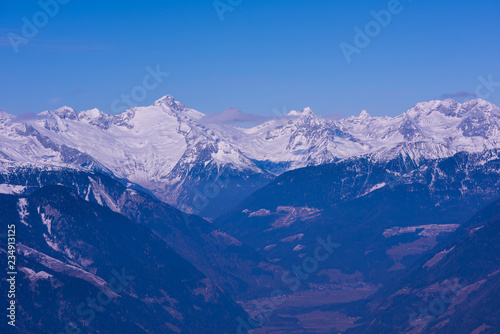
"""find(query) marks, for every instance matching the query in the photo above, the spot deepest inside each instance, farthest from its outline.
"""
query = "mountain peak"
(364, 114)
(167, 99)
(480, 104)
(63, 112)
(95, 117)
(448, 103)
(427, 105)
(448, 107)
(169, 102)
(4, 115)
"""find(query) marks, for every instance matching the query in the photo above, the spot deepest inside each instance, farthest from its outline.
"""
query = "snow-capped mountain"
(162, 147)
(429, 130)
(299, 139)
(206, 168)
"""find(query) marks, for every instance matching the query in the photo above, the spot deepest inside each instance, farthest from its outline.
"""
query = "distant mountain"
(84, 268)
(207, 169)
(454, 289)
(241, 271)
(385, 214)
(429, 130)
(161, 147)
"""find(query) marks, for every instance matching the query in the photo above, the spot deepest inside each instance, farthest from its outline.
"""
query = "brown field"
(300, 312)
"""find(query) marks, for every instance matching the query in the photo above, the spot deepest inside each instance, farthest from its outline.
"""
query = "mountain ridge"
(168, 149)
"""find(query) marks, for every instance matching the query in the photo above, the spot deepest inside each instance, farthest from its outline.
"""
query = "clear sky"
(263, 56)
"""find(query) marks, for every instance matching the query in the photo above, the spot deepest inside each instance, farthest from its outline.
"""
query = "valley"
(297, 225)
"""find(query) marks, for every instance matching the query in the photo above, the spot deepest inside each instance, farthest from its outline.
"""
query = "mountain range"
(362, 205)
(214, 221)
(203, 168)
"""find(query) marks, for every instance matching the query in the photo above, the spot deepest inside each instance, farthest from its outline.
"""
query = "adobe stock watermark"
(436, 307)
(279, 113)
(150, 81)
(31, 27)
(223, 6)
(210, 191)
(363, 37)
(294, 279)
(87, 310)
(486, 87)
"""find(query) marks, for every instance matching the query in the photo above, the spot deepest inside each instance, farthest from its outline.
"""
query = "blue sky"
(264, 57)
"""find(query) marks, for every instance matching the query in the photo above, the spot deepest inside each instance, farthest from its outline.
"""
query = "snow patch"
(290, 214)
(102, 196)
(51, 244)
(47, 222)
(475, 229)
(67, 269)
(293, 238)
(298, 247)
(431, 230)
(375, 187)
(34, 276)
(269, 247)
(438, 257)
(22, 208)
(226, 238)
(10, 189)
(260, 213)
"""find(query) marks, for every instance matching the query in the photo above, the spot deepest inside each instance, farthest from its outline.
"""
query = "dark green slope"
(89, 267)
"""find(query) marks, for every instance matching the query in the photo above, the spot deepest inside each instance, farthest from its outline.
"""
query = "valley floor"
(308, 311)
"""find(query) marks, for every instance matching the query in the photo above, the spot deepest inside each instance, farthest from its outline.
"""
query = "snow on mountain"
(157, 147)
(168, 150)
(429, 130)
(299, 139)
